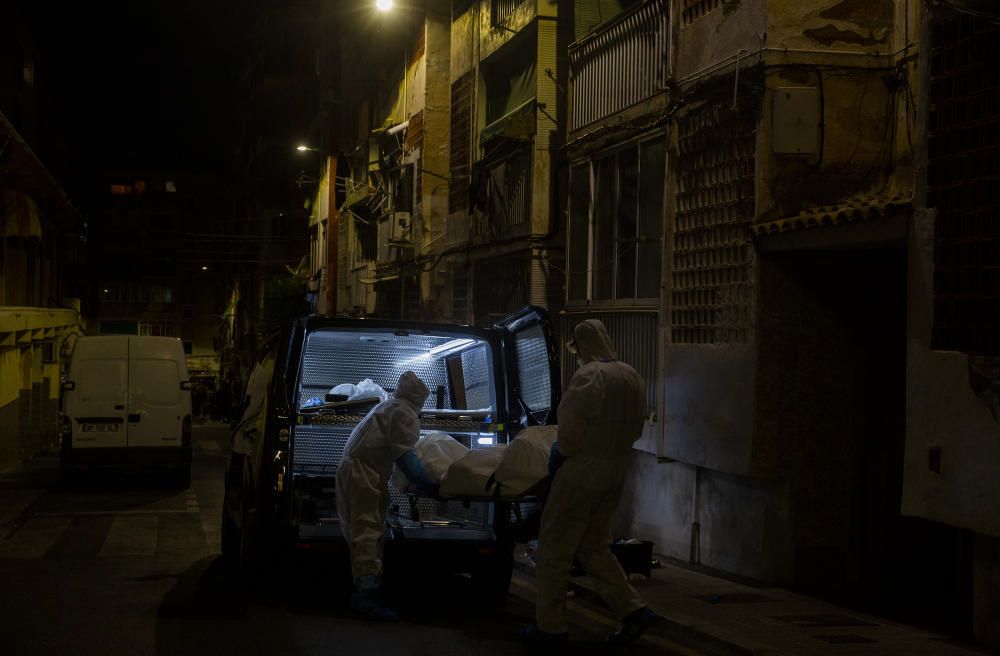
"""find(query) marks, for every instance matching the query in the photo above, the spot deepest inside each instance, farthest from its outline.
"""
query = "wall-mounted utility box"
(795, 121)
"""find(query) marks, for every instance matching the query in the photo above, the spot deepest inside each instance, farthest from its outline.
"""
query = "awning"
(25, 172)
(859, 208)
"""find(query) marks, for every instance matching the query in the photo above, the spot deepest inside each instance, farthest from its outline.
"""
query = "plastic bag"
(350, 390)
(436, 451)
(471, 476)
(368, 387)
(363, 390)
(526, 460)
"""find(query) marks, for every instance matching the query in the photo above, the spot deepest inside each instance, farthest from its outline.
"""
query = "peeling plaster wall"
(658, 505)
(709, 405)
(435, 156)
(857, 107)
(719, 35)
(843, 24)
(746, 526)
(463, 44)
(742, 525)
(856, 145)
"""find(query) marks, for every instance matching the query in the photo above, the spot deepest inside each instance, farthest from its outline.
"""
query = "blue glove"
(556, 459)
(415, 472)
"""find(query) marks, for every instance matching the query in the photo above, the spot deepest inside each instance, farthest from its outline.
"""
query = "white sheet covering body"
(525, 461)
(471, 476)
(437, 451)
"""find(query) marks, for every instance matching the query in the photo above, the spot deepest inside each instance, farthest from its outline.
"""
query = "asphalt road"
(124, 564)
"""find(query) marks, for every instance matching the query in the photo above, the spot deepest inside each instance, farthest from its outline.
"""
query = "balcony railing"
(620, 64)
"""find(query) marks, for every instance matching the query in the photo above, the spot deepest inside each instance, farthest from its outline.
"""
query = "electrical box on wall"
(795, 121)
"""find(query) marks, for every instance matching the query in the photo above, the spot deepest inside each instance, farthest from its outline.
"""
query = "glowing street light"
(304, 148)
(204, 268)
(384, 5)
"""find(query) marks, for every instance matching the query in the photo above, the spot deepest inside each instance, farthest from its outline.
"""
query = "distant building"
(41, 251)
(154, 265)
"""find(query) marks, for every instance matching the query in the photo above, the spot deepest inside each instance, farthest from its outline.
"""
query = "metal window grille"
(500, 287)
(620, 65)
(713, 257)
(502, 10)
(509, 195)
(635, 338)
(964, 183)
(695, 9)
(461, 143)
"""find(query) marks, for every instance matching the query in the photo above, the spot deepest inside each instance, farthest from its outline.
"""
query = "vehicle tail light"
(280, 471)
(186, 431)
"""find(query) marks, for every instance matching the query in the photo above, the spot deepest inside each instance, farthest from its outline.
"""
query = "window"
(49, 352)
(695, 9)
(188, 348)
(963, 178)
(401, 188)
(616, 224)
(502, 10)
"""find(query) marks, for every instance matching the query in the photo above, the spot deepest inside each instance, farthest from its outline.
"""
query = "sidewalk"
(717, 616)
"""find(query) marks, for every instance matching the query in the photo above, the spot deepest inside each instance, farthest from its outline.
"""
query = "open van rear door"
(531, 364)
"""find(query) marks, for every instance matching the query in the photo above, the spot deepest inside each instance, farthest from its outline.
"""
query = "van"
(485, 386)
(126, 402)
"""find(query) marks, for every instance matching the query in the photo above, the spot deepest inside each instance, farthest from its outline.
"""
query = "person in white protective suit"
(601, 415)
(383, 438)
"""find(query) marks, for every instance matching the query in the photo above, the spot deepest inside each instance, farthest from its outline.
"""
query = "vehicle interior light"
(448, 346)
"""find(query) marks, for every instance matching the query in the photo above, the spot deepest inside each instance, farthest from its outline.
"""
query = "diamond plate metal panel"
(331, 358)
(319, 446)
(478, 381)
(533, 367)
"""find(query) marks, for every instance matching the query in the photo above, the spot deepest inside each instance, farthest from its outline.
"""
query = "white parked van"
(127, 402)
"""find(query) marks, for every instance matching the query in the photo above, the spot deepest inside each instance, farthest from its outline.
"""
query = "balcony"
(622, 63)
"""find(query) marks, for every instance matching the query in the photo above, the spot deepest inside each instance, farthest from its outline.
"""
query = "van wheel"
(492, 575)
(249, 550)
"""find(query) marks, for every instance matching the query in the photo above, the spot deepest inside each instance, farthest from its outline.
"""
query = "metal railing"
(620, 64)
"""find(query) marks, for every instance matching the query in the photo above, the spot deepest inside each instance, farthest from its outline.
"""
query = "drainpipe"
(695, 556)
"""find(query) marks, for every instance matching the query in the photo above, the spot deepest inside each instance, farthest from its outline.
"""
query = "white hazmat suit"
(388, 433)
(601, 415)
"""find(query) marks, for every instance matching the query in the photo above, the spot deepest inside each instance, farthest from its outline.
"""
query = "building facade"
(41, 253)
(783, 211)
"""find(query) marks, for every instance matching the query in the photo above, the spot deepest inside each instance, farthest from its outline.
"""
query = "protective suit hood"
(412, 390)
(593, 342)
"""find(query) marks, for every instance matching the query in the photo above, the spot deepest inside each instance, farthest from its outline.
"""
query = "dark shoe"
(366, 603)
(634, 625)
(534, 635)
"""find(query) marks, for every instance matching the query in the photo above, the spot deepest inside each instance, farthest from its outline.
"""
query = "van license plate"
(100, 428)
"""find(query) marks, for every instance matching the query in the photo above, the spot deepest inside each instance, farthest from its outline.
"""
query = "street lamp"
(384, 5)
(304, 148)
